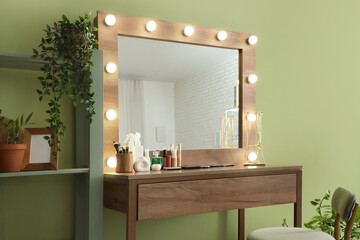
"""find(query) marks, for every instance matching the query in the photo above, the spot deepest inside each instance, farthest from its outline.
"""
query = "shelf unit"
(89, 151)
(20, 62)
(46, 172)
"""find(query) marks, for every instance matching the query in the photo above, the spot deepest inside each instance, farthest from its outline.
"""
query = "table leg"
(298, 204)
(131, 213)
(241, 224)
(130, 227)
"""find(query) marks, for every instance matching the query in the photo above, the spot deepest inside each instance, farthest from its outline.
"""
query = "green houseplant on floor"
(11, 153)
(66, 50)
(324, 220)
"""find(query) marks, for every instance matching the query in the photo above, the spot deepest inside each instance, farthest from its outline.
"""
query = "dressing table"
(153, 195)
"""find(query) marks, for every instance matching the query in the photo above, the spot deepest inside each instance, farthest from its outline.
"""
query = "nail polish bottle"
(164, 158)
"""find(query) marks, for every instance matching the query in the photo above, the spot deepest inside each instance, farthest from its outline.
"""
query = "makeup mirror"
(198, 149)
(178, 93)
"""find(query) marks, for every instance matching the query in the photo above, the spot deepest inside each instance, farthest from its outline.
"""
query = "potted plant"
(11, 153)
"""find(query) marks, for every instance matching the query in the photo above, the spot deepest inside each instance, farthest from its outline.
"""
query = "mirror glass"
(175, 93)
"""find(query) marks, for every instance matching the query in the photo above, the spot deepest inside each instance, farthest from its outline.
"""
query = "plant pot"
(11, 157)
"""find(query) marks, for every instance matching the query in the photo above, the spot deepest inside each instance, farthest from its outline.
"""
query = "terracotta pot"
(11, 157)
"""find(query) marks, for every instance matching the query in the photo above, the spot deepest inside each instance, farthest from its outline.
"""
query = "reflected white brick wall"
(200, 100)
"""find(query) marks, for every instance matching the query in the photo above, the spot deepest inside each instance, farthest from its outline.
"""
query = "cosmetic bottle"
(164, 158)
(168, 160)
(156, 159)
(179, 155)
(174, 157)
(147, 154)
(139, 151)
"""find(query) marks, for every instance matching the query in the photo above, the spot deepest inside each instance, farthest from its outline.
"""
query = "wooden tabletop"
(238, 170)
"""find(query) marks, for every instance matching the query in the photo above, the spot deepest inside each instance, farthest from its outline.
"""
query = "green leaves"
(13, 127)
(325, 219)
(28, 118)
(35, 51)
(65, 18)
(284, 223)
(67, 50)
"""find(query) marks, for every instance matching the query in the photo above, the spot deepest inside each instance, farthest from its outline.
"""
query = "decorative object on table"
(133, 142)
(227, 130)
(66, 49)
(254, 151)
(124, 162)
(12, 153)
(142, 164)
(38, 155)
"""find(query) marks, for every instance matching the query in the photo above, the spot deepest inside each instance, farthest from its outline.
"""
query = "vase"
(11, 157)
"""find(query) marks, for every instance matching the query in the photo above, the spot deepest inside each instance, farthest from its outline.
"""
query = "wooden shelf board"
(45, 172)
(20, 62)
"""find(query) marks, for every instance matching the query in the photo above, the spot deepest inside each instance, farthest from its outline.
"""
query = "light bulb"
(150, 26)
(252, 156)
(222, 35)
(188, 31)
(111, 162)
(110, 20)
(252, 78)
(251, 117)
(111, 67)
(252, 40)
(110, 114)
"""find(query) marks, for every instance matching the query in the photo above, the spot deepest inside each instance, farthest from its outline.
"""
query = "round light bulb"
(110, 20)
(252, 156)
(188, 31)
(251, 117)
(222, 35)
(110, 114)
(151, 26)
(252, 78)
(111, 67)
(111, 162)
(252, 40)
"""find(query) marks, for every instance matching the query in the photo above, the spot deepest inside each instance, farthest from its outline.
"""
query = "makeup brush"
(117, 145)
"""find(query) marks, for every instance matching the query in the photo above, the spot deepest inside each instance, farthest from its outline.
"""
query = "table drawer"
(161, 200)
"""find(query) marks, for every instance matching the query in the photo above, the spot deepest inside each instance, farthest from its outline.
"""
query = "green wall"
(308, 89)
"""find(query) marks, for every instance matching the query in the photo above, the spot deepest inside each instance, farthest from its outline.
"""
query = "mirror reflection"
(177, 93)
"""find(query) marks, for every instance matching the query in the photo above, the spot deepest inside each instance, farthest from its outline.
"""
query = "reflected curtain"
(131, 108)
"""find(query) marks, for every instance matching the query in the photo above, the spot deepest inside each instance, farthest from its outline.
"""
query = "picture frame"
(38, 152)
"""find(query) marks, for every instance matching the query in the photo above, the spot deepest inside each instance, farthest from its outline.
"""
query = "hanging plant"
(66, 50)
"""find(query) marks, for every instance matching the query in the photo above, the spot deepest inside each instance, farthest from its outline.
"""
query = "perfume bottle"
(156, 159)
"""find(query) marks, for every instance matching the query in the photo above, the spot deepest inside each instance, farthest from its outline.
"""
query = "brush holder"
(124, 163)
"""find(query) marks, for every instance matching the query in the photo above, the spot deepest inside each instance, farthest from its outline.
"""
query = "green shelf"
(20, 62)
(45, 172)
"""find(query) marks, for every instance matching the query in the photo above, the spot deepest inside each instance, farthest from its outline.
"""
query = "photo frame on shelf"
(38, 152)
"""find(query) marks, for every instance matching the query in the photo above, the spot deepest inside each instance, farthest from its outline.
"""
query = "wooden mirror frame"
(132, 26)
